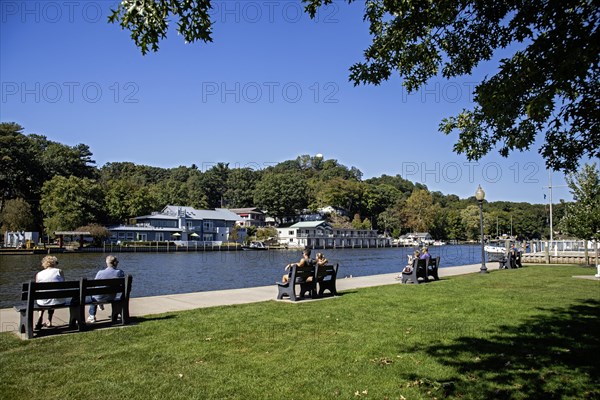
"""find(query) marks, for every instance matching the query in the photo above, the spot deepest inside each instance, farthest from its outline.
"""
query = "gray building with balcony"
(250, 216)
(178, 223)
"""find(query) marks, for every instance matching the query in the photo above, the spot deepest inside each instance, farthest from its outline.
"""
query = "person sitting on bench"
(111, 271)
(305, 262)
(408, 269)
(515, 257)
(49, 274)
(321, 260)
(425, 254)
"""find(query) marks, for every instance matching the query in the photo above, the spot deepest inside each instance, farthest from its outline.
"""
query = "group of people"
(417, 255)
(514, 256)
(305, 262)
(51, 273)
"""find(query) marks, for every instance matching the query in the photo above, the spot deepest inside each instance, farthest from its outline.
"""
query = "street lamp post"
(480, 196)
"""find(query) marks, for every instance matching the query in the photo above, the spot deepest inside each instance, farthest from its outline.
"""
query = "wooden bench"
(500, 258)
(418, 270)
(298, 277)
(326, 277)
(117, 290)
(76, 295)
(509, 261)
(432, 268)
(32, 291)
(514, 259)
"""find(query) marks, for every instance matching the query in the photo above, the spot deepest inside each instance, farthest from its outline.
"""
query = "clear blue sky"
(273, 85)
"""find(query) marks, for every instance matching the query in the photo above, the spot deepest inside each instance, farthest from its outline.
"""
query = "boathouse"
(320, 234)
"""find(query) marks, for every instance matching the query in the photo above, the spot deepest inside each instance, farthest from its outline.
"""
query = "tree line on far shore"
(48, 186)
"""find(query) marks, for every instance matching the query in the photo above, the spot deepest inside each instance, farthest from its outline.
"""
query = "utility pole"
(497, 234)
(549, 187)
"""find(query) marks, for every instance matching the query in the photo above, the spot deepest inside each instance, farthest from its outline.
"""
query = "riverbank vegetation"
(513, 334)
(48, 186)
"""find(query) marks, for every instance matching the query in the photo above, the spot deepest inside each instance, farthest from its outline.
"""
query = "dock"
(560, 257)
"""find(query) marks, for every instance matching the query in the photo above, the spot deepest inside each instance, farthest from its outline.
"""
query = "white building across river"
(320, 234)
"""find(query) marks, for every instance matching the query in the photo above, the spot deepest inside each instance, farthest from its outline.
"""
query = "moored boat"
(256, 245)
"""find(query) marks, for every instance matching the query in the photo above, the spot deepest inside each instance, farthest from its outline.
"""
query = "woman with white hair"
(50, 273)
(111, 271)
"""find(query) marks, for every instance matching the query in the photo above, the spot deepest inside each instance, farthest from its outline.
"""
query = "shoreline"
(168, 249)
(152, 305)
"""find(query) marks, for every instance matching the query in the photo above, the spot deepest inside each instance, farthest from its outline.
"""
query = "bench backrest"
(112, 286)
(33, 290)
(420, 264)
(301, 273)
(325, 271)
(434, 262)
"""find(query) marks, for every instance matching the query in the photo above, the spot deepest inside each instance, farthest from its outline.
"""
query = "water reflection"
(160, 273)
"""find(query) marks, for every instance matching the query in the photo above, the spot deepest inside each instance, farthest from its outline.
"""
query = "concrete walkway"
(142, 306)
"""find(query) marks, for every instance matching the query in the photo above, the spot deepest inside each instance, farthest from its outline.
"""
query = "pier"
(563, 257)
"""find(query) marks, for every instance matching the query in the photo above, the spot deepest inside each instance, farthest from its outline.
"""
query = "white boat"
(255, 246)
(438, 243)
(494, 249)
(415, 239)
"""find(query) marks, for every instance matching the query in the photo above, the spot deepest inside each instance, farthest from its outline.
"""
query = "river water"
(169, 273)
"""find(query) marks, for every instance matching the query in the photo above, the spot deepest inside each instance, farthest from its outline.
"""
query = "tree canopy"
(582, 218)
(549, 85)
(27, 161)
(16, 216)
(120, 191)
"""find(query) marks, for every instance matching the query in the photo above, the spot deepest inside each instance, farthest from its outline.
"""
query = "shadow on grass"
(550, 356)
(137, 320)
(105, 323)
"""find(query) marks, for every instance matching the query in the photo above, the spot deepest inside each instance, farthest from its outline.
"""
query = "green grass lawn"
(514, 334)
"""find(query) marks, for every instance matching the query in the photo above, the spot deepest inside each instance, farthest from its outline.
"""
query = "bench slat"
(103, 291)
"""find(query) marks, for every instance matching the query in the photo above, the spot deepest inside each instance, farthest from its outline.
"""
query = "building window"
(207, 225)
(189, 224)
(291, 233)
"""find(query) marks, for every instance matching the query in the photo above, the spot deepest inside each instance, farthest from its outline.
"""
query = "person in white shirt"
(50, 273)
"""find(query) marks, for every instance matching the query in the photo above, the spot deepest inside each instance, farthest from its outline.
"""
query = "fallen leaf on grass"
(382, 361)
